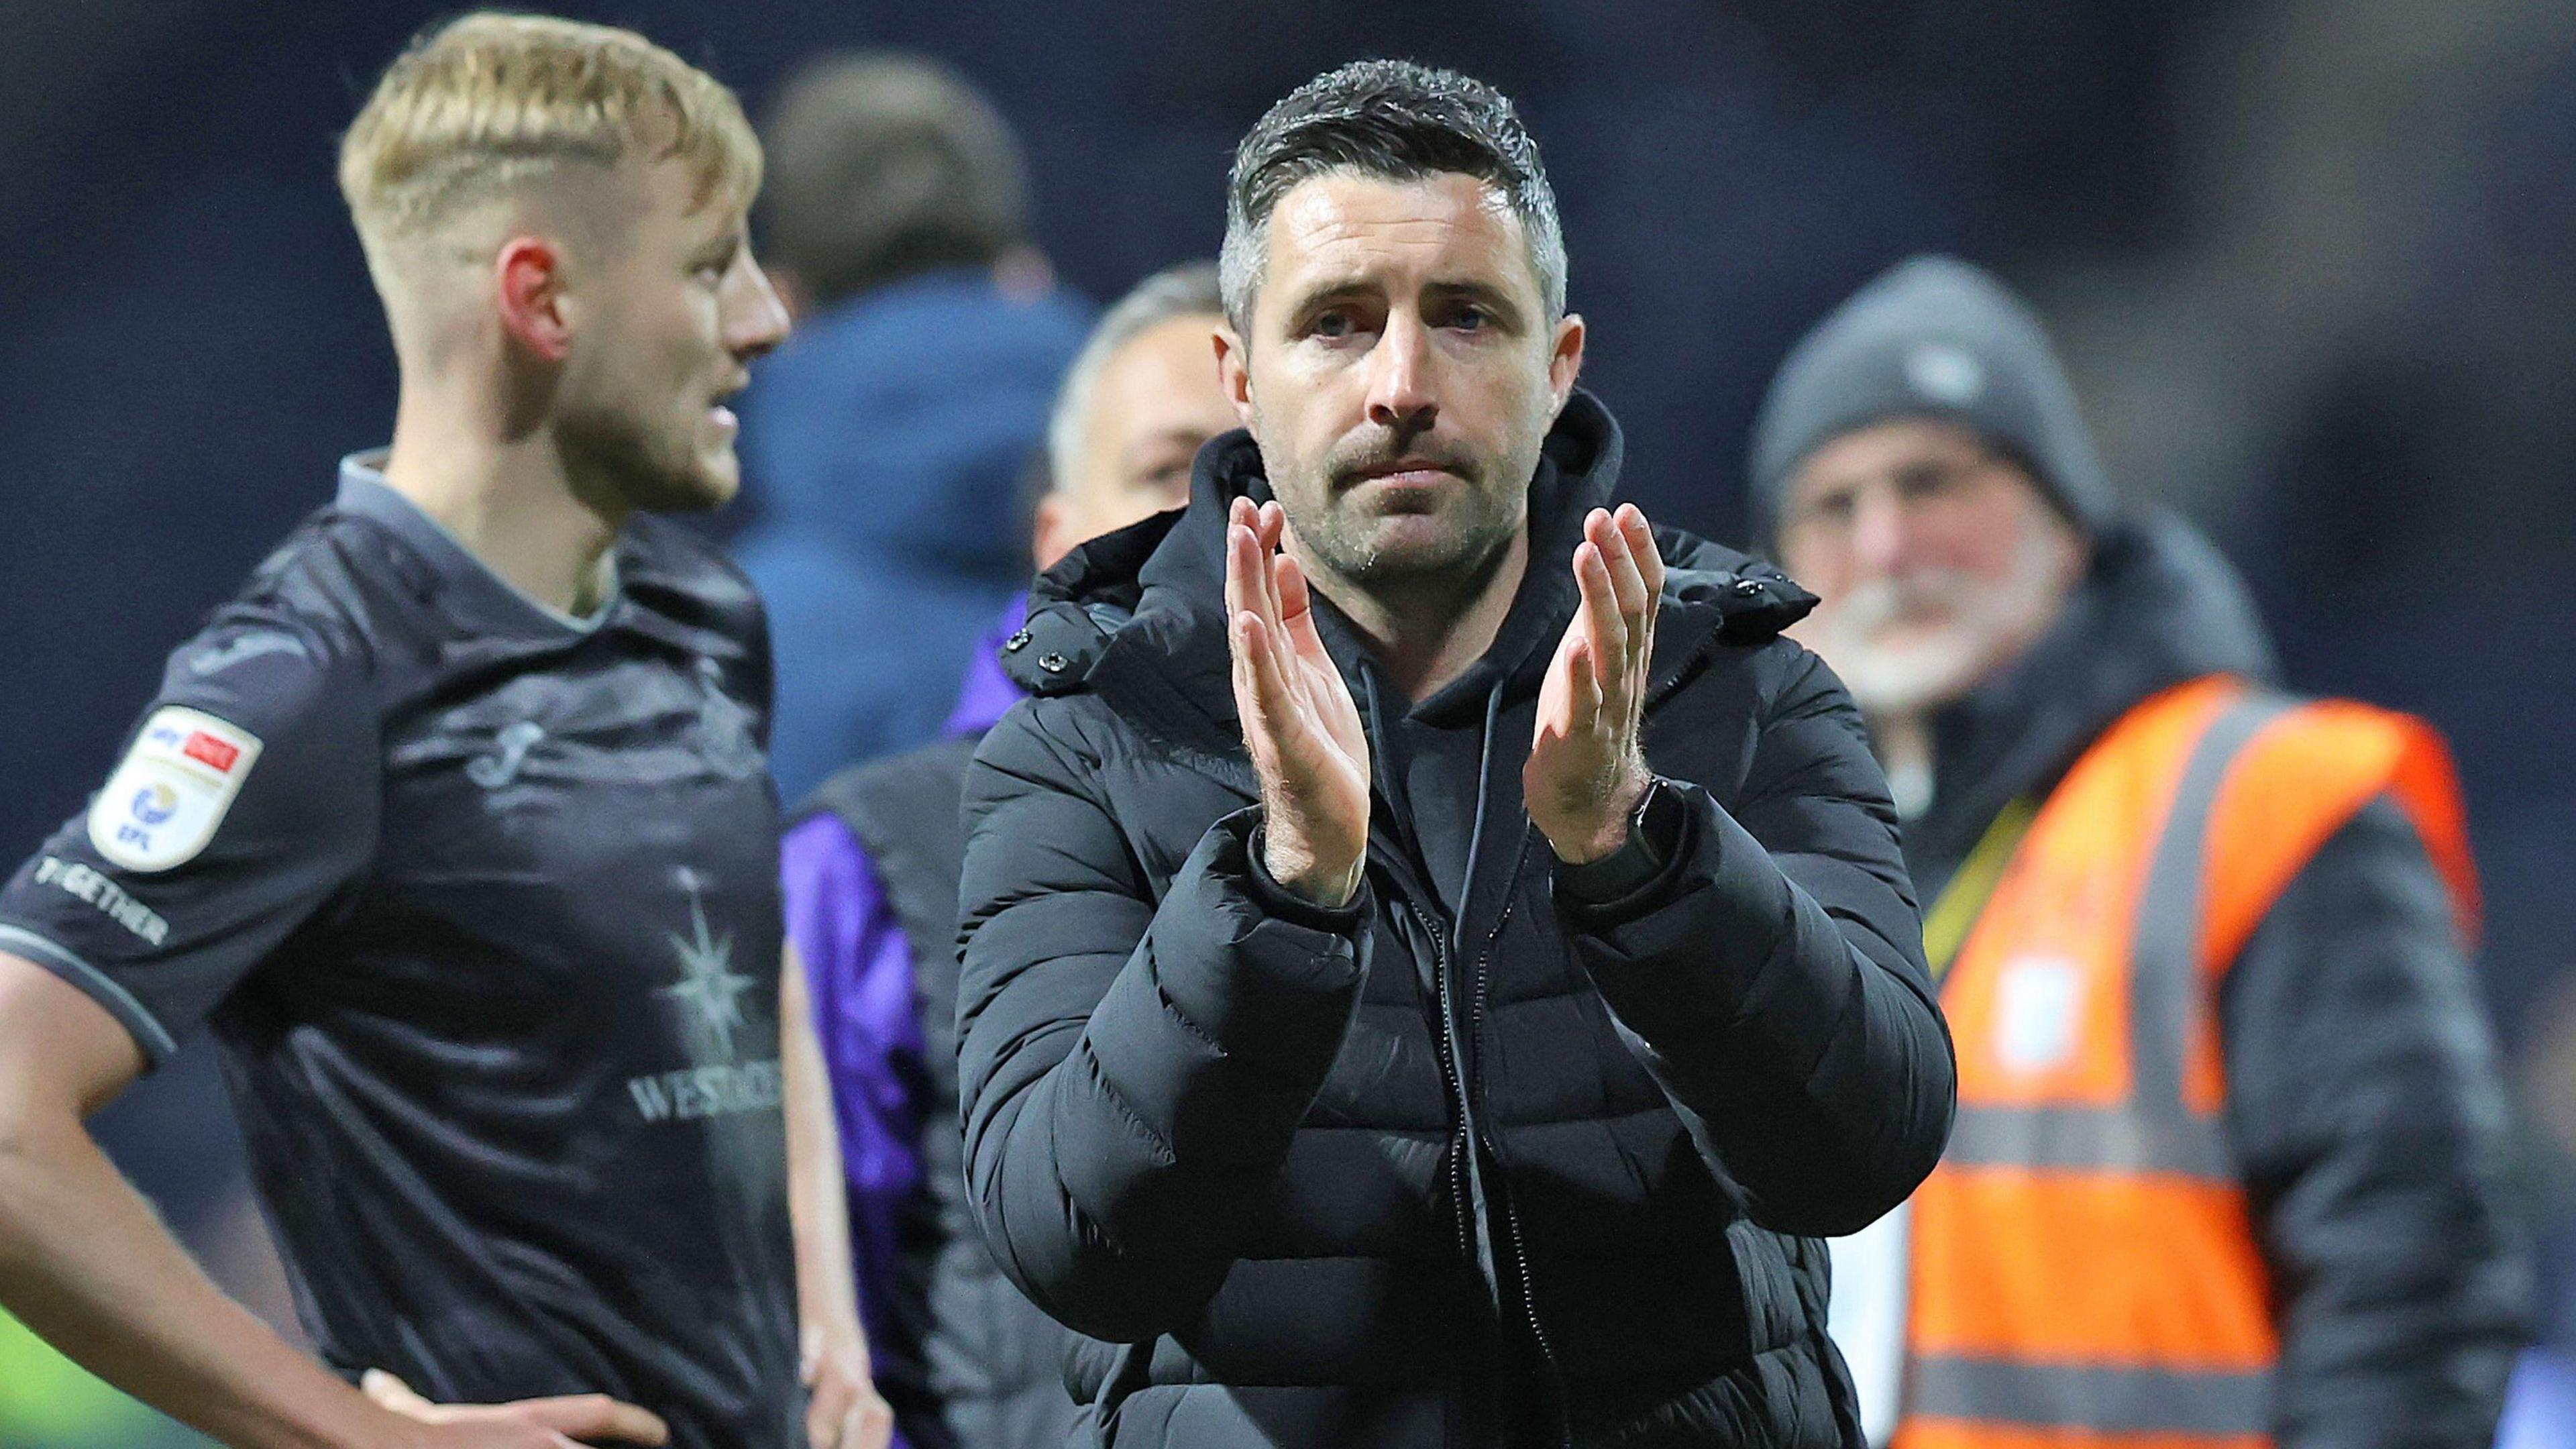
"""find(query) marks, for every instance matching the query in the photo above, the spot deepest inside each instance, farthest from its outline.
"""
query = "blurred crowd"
(2311, 265)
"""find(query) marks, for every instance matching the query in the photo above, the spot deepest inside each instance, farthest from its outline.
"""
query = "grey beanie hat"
(1931, 337)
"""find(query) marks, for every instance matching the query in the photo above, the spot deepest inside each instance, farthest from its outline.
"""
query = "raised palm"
(1299, 723)
(1587, 767)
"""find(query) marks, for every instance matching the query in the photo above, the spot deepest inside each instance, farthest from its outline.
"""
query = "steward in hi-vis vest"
(2226, 1171)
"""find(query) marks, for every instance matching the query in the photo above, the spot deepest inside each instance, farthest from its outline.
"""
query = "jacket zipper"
(1451, 1078)
(1482, 979)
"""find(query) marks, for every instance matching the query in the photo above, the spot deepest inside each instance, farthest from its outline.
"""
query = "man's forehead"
(1163, 378)
(710, 212)
(1891, 446)
(672, 190)
(1347, 220)
(1185, 333)
(1155, 370)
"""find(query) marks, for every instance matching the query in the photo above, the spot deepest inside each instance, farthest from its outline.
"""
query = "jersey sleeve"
(246, 796)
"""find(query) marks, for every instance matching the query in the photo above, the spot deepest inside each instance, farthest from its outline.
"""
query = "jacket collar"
(1137, 616)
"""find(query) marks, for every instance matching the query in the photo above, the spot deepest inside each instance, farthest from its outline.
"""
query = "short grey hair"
(1186, 290)
(1391, 119)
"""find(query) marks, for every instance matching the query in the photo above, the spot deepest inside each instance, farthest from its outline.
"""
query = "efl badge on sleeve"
(166, 798)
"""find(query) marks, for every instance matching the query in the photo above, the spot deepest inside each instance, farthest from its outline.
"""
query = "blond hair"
(486, 104)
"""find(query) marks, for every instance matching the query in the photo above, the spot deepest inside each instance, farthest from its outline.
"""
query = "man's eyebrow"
(1326, 290)
(1164, 438)
(1935, 468)
(1494, 299)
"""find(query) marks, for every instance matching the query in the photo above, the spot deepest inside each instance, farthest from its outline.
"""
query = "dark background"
(2313, 263)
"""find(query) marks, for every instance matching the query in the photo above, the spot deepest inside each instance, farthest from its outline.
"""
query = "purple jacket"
(858, 968)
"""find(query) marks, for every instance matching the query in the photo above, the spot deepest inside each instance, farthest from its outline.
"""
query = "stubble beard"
(646, 469)
(1990, 624)
(1352, 549)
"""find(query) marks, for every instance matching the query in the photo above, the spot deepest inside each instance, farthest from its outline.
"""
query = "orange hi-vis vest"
(2084, 1272)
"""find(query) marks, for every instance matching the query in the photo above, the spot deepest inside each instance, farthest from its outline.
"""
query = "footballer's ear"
(529, 277)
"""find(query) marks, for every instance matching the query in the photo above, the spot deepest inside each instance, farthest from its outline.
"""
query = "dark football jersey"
(480, 903)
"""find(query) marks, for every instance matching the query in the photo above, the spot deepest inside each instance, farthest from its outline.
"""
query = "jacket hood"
(898, 423)
(1139, 614)
(2158, 605)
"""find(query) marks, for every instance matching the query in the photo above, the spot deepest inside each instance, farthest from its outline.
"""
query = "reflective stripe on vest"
(2114, 1400)
(1931, 1433)
(2084, 1269)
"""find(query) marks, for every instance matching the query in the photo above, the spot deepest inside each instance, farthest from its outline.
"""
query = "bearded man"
(1435, 956)
(2227, 1170)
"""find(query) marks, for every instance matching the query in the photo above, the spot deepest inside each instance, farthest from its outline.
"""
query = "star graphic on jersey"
(709, 989)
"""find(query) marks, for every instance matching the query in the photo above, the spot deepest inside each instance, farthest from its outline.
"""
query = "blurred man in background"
(885, 444)
(871, 884)
(2227, 1167)
(453, 826)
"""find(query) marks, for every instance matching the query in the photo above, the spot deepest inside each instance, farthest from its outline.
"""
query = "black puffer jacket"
(1475, 1161)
